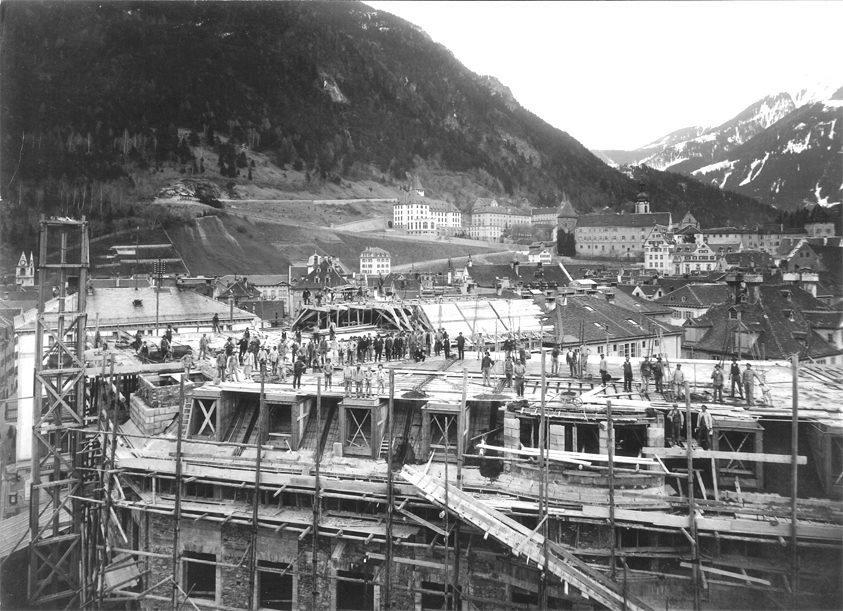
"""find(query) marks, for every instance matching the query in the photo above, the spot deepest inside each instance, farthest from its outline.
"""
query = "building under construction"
(162, 486)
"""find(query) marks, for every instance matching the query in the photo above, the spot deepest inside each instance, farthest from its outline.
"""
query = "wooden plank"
(783, 459)
(739, 576)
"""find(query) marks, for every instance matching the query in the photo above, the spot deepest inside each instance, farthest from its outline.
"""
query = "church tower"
(642, 201)
(25, 271)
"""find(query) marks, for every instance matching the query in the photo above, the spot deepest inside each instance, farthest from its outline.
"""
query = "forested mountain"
(99, 100)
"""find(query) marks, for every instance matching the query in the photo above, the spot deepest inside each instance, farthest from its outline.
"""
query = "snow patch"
(833, 103)
(725, 178)
(752, 175)
(797, 146)
(822, 201)
(714, 167)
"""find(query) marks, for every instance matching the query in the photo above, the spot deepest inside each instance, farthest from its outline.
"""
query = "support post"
(692, 512)
(390, 493)
(253, 560)
(461, 428)
(177, 502)
(543, 466)
(794, 482)
(610, 425)
(316, 495)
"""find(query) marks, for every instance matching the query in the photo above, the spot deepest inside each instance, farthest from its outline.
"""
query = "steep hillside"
(104, 101)
(793, 161)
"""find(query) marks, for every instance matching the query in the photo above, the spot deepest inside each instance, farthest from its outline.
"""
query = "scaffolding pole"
(390, 492)
(692, 512)
(253, 558)
(794, 482)
(543, 467)
(610, 433)
(178, 491)
(316, 496)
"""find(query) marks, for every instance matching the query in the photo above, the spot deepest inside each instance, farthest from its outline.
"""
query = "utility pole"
(177, 503)
(256, 502)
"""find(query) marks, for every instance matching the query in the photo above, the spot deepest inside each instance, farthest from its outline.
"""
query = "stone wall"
(150, 420)
(158, 395)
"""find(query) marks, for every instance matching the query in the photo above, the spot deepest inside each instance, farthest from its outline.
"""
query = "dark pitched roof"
(749, 258)
(768, 317)
(624, 220)
(590, 316)
(824, 320)
(697, 295)
(567, 211)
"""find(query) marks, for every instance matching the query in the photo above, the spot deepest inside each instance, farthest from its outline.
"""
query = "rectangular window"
(355, 591)
(275, 585)
(200, 577)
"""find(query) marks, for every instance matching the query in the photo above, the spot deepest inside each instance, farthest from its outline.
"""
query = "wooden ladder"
(186, 411)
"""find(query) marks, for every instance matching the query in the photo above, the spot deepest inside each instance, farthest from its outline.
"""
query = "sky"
(618, 75)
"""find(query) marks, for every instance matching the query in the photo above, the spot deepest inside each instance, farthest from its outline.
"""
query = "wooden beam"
(783, 459)
(739, 576)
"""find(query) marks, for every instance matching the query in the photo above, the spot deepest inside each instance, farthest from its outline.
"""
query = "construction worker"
(705, 428)
(658, 374)
(519, 371)
(604, 369)
(485, 367)
(674, 423)
(679, 382)
(646, 373)
(717, 383)
(508, 369)
(749, 377)
(627, 375)
(735, 378)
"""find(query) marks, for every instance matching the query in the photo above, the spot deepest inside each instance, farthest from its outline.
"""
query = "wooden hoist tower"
(64, 525)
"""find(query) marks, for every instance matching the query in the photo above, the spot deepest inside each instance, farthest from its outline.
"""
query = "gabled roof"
(748, 259)
(624, 220)
(697, 295)
(824, 320)
(769, 318)
(567, 211)
(374, 251)
(589, 316)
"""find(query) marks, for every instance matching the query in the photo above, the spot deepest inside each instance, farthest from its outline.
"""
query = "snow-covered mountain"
(783, 149)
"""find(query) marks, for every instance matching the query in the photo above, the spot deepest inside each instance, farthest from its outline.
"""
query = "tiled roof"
(624, 220)
(749, 258)
(374, 251)
(697, 295)
(779, 337)
(824, 320)
(590, 315)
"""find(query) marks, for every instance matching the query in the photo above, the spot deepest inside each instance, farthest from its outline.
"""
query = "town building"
(760, 320)
(25, 271)
(417, 214)
(375, 261)
(491, 221)
(693, 300)
(619, 235)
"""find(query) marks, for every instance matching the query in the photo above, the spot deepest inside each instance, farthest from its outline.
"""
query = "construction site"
(162, 485)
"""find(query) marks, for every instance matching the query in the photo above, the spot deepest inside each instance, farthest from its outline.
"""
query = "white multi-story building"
(657, 250)
(489, 219)
(417, 214)
(375, 261)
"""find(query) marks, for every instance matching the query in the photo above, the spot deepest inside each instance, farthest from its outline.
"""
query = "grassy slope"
(220, 245)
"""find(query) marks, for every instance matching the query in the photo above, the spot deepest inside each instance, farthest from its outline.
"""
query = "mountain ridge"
(103, 100)
(715, 153)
